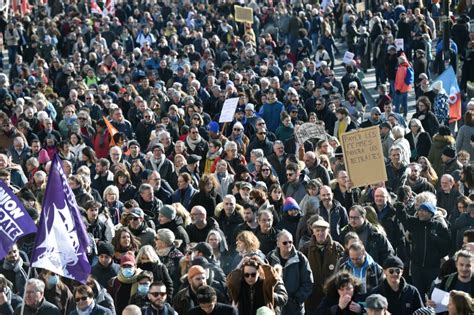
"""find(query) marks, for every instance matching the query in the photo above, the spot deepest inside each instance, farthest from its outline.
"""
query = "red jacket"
(400, 84)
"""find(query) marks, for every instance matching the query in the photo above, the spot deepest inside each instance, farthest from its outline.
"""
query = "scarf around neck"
(193, 143)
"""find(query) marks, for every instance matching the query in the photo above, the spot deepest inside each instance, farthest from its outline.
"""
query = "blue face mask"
(127, 272)
(142, 289)
(53, 281)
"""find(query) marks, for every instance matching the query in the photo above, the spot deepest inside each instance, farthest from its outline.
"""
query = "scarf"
(212, 156)
(87, 311)
(239, 139)
(193, 143)
(132, 280)
(163, 252)
(157, 164)
(20, 274)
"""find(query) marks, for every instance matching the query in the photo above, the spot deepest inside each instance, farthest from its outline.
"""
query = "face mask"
(142, 289)
(53, 281)
(127, 272)
(146, 266)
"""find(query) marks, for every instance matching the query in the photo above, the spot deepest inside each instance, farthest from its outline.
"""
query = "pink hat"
(43, 157)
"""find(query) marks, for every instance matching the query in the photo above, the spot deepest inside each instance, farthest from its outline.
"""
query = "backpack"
(410, 76)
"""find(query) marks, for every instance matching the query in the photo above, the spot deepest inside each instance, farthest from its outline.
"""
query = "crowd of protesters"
(186, 215)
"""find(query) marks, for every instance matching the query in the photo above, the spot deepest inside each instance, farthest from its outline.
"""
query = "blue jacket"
(271, 114)
(370, 273)
(298, 280)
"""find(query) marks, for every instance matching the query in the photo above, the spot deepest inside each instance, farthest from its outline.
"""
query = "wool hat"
(43, 157)
(105, 249)
(250, 106)
(238, 125)
(449, 151)
(290, 204)
(428, 206)
(393, 262)
(193, 158)
(438, 86)
(133, 142)
(168, 211)
(375, 110)
(127, 258)
(213, 127)
(195, 270)
(158, 146)
(376, 302)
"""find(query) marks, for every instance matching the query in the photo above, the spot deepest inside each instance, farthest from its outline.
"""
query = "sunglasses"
(135, 218)
(261, 133)
(287, 243)
(82, 298)
(251, 274)
(265, 170)
(155, 294)
(394, 270)
(237, 129)
(290, 174)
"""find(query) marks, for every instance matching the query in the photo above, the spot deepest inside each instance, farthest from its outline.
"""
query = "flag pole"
(24, 291)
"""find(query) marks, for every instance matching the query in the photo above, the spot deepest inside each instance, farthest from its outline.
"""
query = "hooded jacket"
(370, 273)
(400, 84)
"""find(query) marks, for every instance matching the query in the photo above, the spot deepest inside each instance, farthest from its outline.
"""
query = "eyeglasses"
(82, 298)
(250, 274)
(290, 174)
(81, 118)
(155, 294)
(287, 243)
(294, 101)
(135, 218)
(394, 270)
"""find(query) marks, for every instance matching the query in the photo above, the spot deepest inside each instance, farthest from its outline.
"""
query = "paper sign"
(441, 298)
(244, 15)
(348, 57)
(310, 131)
(399, 44)
(360, 7)
(363, 156)
(228, 110)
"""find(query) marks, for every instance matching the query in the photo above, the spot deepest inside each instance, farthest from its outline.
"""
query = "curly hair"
(338, 281)
(251, 242)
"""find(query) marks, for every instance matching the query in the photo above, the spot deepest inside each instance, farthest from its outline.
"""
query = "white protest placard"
(363, 156)
(399, 44)
(360, 7)
(348, 57)
(441, 298)
(244, 15)
(228, 109)
(310, 131)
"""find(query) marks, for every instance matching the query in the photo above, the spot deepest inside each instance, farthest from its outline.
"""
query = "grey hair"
(257, 152)
(425, 196)
(398, 132)
(144, 187)
(166, 236)
(230, 144)
(283, 233)
(39, 285)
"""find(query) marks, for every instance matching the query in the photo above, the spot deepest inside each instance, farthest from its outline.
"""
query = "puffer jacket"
(297, 277)
(400, 84)
(437, 147)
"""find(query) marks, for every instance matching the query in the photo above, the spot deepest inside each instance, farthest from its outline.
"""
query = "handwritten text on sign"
(363, 156)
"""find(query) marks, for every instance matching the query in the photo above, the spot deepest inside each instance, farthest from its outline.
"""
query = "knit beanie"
(265, 310)
(195, 270)
(428, 206)
(290, 204)
(424, 311)
(168, 211)
(105, 249)
(43, 157)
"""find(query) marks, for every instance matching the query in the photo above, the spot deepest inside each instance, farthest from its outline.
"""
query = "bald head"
(131, 310)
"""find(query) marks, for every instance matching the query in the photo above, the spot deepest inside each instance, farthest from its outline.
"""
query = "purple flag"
(61, 241)
(15, 222)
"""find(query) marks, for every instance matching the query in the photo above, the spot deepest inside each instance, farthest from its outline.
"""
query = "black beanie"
(105, 248)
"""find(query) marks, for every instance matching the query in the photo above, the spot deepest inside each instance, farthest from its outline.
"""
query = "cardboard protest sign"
(399, 44)
(310, 131)
(363, 156)
(348, 57)
(360, 7)
(244, 15)
(228, 109)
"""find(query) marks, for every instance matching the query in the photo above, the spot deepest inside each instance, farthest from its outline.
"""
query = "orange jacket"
(400, 84)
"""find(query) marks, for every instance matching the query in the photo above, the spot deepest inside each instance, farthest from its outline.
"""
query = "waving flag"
(61, 240)
(450, 84)
(95, 9)
(109, 7)
(15, 222)
(112, 131)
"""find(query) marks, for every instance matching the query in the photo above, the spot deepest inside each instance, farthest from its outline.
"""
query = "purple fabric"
(15, 222)
(62, 239)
